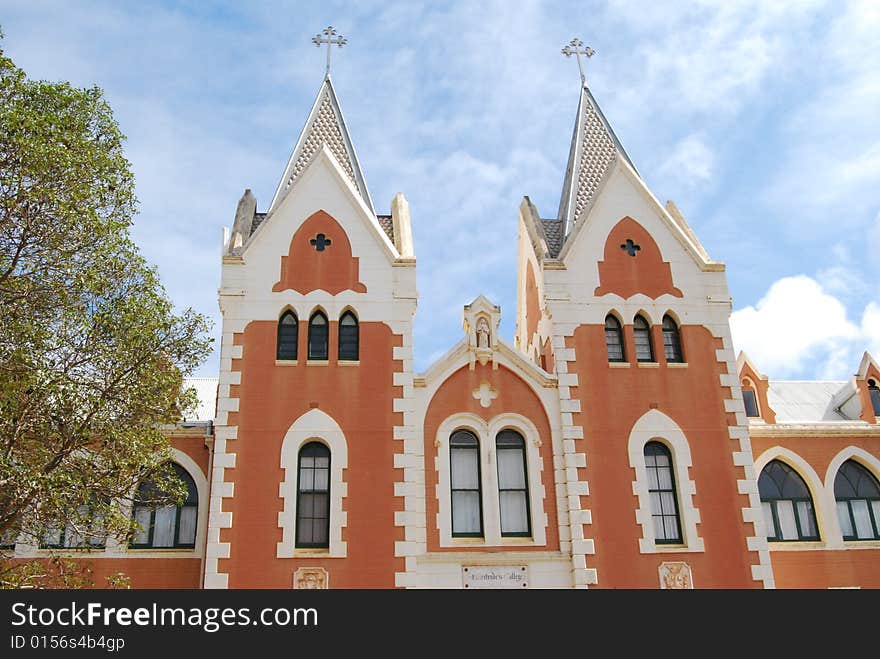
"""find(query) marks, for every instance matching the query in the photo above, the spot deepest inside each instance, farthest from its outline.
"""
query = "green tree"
(92, 353)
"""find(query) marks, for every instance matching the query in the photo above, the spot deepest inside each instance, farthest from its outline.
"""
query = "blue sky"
(761, 120)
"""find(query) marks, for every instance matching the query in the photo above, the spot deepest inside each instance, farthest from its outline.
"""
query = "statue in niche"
(482, 333)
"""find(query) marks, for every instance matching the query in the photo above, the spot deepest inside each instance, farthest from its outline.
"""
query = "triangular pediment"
(618, 193)
(324, 185)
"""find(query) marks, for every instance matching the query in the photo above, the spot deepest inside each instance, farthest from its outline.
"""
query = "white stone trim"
(742, 459)
(222, 458)
(653, 425)
(411, 459)
(573, 517)
(486, 432)
(314, 425)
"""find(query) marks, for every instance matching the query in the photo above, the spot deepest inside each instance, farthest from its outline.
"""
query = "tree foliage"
(92, 353)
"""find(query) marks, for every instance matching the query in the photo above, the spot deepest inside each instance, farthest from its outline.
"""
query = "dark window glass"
(644, 345)
(464, 462)
(858, 502)
(671, 341)
(313, 496)
(348, 337)
(661, 489)
(90, 534)
(288, 330)
(787, 504)
(614, 339)
(513, 485)
(874, 392)
(751, 402)
(7, 539)
(166, 527)
(318, 336)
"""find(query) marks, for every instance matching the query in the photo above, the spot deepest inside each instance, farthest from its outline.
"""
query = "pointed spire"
(594, 147)
(325, 125)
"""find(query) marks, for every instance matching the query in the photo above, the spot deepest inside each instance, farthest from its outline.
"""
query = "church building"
(617, 441)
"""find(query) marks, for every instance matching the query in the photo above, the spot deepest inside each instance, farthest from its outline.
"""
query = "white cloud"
(800, 330)
(690, 160)
(714, 55)
(871, 328)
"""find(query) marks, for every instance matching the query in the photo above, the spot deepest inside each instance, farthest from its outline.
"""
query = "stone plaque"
(311, 578)
(495, 576)
(676, 576)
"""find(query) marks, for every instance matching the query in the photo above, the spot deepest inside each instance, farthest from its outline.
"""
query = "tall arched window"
(874, 393)
(644, 345)
(513, 484)
(348, 337)
(614, 339)
(170, 526)
(464, 462)
(671, 341)
(661, 489)
(313, 496)
(318, 336)
(288, 331)
(787, 504)
(750, 400)
(858, 502)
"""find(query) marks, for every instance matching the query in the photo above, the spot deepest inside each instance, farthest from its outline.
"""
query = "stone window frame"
(314, 425)
(486, 431)
(658, 427)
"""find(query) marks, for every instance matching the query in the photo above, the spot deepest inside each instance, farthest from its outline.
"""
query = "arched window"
(513, 484)
(170, 526)
(464, 462)
(83, 530)
(874, 393)
(671, 341)
(661, 489)
(644, 345)
(348, 337)
(318, 336)
(751, 402)
(858, 502)
(288, 330)
(7, 539)
(787, 504)
(313, 496)
(614, 339)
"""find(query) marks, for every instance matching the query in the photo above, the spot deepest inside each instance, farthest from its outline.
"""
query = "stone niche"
(480, 321)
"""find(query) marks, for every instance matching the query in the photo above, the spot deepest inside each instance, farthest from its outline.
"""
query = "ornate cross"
(329, 33)
(485, 394)
(573, 48)
(629, 247)
(320, 242)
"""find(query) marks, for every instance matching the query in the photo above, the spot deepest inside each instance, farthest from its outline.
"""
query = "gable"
(624, 205)
(326, 201)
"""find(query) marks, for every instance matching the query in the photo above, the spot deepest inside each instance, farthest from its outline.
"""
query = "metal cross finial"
(329, 33)
(573, 48)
